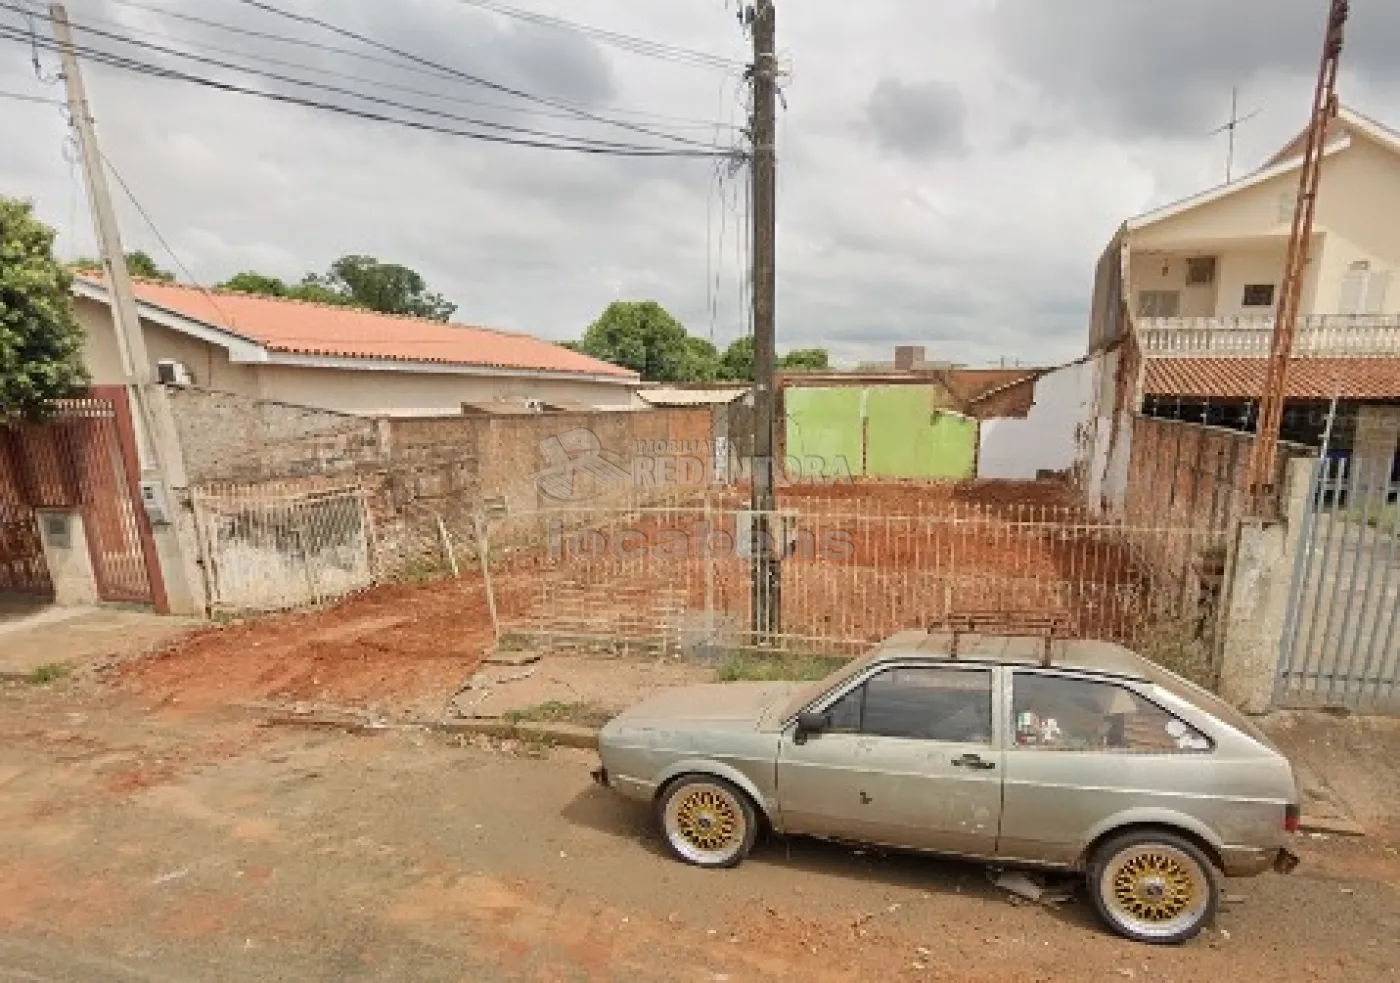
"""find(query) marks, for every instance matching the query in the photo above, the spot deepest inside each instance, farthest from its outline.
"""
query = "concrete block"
(64, 537)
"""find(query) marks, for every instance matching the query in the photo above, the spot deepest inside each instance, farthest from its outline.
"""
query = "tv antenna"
(1236, 120)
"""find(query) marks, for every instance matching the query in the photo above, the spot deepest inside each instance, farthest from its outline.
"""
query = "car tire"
(707, 821)
(1154, 886)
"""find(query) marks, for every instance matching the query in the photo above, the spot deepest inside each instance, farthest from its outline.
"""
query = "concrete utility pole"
(766, 570)
(135, 362)
(1263, 459)
(171, 583)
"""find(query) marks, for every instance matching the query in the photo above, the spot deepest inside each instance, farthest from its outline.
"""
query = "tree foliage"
(738, 359)
(355, 281)
(138, 264)
(644, 337)
(41, 344)
(807, 360)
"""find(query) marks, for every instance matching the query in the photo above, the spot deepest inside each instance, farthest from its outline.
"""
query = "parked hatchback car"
(1079, 756)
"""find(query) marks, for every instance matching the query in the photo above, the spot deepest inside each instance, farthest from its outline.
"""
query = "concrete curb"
(564, 735)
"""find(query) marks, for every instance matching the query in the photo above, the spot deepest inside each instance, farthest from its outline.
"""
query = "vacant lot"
(153, 846)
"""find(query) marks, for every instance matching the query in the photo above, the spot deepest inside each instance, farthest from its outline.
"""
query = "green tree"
(249, 282)
(138, 264)
(737, 363)
(41, 344)
(642, 336)
(385, 287)
(702, 361)
(807, 360)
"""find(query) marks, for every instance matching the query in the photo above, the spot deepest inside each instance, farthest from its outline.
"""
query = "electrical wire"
(150, 222)
(21, 97)
(337, 90)
(577, 145)
(476, 79)
(626, 42)
(329, 73)
(368, 58)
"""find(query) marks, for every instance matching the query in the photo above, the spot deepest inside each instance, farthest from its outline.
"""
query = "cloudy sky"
(949, 169)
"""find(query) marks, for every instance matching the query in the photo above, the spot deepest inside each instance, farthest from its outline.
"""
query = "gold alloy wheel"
(708, 819)
(1156, 889)
(706, 823)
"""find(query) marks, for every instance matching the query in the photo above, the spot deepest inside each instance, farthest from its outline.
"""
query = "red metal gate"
(84, 458)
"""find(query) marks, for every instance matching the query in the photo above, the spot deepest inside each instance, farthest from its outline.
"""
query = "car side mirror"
(810, 723)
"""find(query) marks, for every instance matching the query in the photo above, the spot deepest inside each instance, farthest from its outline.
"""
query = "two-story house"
(1185, 295)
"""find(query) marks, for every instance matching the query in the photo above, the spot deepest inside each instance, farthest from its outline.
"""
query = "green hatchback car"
(1075, 755)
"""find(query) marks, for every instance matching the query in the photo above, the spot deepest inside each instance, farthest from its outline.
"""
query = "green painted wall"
(825, 424)
(901, 436)
(908, 439)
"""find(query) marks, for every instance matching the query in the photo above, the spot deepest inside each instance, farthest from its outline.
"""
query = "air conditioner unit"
(170, 372)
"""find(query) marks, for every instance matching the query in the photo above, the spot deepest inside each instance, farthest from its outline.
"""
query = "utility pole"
(132, 345)
(169, 571)
(1263, 459)
(766, 559)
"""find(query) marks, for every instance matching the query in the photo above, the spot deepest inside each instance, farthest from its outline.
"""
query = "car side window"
(920, 703)
(1062, 713)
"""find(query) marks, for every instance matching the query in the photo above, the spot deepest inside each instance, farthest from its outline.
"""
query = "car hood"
(714, 705)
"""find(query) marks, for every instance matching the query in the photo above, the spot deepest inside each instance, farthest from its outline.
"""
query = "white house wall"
(1048, 439)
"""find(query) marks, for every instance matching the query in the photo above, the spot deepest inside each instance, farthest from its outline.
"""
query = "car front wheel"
(707, 821)
(1153, 886)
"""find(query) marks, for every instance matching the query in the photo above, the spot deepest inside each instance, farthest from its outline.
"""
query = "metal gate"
(1342, 639)
(82, 458)
(282, 545)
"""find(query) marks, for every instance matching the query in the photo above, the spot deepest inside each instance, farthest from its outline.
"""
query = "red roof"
(305, 328)
(1243, 378)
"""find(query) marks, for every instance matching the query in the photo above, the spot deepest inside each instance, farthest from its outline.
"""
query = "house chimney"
(908, 357)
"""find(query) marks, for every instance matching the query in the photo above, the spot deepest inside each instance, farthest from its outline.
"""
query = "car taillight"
(1291, 818)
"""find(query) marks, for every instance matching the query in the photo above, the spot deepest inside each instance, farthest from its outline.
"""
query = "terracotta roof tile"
(306, 328)
(1243, 378)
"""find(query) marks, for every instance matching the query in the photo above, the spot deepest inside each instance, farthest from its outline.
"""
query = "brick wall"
(420, 470)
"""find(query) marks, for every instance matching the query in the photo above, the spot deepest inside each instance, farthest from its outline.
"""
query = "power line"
(362, 56)
(627, 42)
(329, 73)
(21, 97)
(145, 68)
(476, 79)
(126, 189)
(337, 90)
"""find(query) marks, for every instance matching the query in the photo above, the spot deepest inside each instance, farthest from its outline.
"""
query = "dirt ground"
(174, 845)
(402, 648)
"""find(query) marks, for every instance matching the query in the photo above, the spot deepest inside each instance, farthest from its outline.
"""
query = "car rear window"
(1065, 713)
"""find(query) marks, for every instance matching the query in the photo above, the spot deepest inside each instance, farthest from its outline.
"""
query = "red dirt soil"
(390, 645)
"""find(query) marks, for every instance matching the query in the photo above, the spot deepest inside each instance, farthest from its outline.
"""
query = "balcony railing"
(1318, 336)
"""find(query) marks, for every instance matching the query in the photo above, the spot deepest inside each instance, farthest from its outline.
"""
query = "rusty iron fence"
(281, 545)
(83, 458)
(1342, 637)
(856, 569)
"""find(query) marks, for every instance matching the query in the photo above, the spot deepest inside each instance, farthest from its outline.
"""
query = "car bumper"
(632, 788)
(1240, 861)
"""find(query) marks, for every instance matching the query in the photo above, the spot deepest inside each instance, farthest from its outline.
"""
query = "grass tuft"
(49, 672)
(777, 667)
(557, 712)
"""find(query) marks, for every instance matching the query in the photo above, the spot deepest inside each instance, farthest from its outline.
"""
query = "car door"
(911, 759)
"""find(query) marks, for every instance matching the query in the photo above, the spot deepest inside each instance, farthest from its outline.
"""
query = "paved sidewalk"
(34, 633)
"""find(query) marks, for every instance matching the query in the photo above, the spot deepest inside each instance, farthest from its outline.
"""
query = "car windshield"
(811, 691)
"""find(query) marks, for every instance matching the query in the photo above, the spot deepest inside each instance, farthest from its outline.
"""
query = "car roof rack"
(1048, 626)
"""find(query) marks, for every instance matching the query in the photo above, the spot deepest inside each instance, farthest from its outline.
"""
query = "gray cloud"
(1138, 69)
(917, 119)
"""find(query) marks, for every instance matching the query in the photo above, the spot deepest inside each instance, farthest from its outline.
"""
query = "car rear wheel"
(707, 821)
(1153, 886)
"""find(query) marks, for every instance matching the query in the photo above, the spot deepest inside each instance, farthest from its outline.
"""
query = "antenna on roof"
(1235, 122)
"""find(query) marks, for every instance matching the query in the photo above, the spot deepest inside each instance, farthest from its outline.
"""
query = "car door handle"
(973, 761)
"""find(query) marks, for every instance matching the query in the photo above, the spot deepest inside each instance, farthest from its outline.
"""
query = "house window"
(1200, 271)
(1159, 303)
(1258, 295)
(1363, 290)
